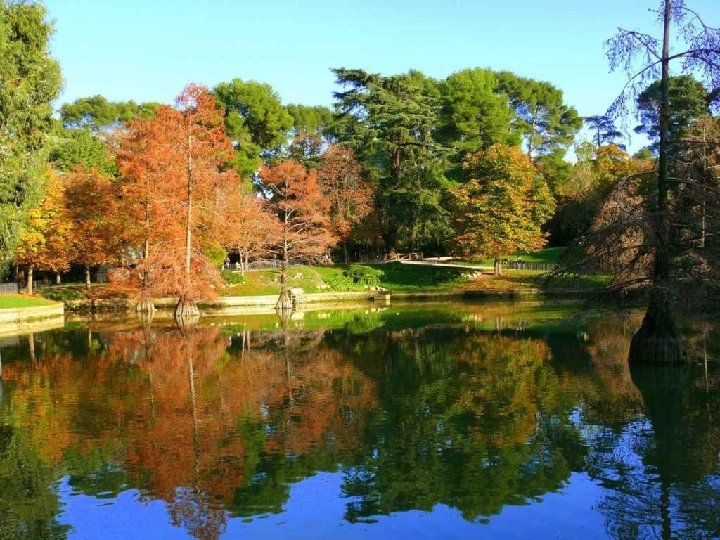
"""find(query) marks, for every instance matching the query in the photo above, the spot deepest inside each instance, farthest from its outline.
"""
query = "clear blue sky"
(149, 49)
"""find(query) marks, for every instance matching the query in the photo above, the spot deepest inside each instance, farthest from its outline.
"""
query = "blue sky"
(149, 49)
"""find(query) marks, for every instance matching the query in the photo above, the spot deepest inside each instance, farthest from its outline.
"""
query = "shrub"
(233, 278)
(355, 277)
(62, 294)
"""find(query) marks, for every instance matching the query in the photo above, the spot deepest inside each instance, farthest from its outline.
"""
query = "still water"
(431, 421)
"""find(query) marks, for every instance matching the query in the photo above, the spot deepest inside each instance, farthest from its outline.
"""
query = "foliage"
(63, 294)
(356, 277)
(604, 130)
(30, 82)
(91, 208)
(475, 113)
(503, 206)
(688, 102)
(544, 121)
(45, 241)
(81, 148)
(96, 113)
(176, 175)
(389, 122)
(255, 121)
(347, 190)
(297, 199)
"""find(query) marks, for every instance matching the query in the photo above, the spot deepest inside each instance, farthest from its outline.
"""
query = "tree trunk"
(284, 302)
(497, 267)
(30, 279)
(659, 339)
(31, 345)
(186, 309)
(57, 278)
(87, 276)
(345, 251)
(188, 223)
(145, 305)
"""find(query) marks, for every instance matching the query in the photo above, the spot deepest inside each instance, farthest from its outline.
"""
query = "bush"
(364, 275)
(355, 277)
(62, 294)
(233, 278)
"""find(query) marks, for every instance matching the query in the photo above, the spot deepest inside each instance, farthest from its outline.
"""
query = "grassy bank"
(397, 277)
(14, 301)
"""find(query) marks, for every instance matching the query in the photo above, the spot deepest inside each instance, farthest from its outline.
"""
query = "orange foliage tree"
(349, 194)
(302, 208)
(176, 170)
(503, 206)
(250, 226)
(91, 205)
(44, 243)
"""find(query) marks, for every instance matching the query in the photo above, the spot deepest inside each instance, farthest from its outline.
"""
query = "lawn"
(549, 255)
(12, 301)
(312, 279)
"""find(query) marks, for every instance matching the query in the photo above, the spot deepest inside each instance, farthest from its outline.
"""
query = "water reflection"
(472, 408)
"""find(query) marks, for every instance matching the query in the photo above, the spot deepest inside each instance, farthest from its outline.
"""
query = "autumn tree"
(646, 59)
(250, 228)
(175, 165)
(296, 197)
(91, 208)
(349, 194)
(502, 208)
(44, 243)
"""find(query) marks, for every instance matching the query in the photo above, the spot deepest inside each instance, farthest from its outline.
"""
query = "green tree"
(475, 114)
(30, 82)
(255, 121)
(81, 147)
(97, 112)
(389, 122)
(688, 102)
(502, 208)
(603, 130)
(544, 121)
(312, 132)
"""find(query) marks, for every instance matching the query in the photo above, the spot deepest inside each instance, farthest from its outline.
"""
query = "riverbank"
(20, 313)
(351, 283)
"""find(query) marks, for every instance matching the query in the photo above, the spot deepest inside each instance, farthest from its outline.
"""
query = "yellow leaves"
(44, 242)
(503, 206)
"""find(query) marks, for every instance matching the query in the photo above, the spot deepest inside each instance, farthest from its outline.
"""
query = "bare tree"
(644, 57)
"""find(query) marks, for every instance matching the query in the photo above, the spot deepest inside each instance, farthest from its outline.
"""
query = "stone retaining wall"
(30, 319)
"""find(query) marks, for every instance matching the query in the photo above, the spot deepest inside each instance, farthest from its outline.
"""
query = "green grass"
(399, 277)
(550, 255)
(313, 279)
(416, 278)
(13, 301)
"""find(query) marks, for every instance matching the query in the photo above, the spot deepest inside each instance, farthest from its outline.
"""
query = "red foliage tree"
(302, 208)
(349, 194)
(176, 171)
(91, 206)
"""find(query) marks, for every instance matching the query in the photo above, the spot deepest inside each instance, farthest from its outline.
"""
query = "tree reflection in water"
(220, 424)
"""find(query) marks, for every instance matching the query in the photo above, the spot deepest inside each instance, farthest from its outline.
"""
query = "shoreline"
(18, 320)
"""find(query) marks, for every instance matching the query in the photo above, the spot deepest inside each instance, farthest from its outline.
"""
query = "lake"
(448, 420)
